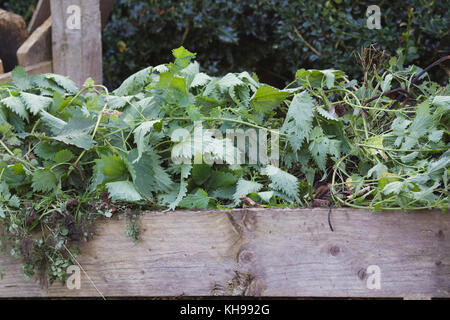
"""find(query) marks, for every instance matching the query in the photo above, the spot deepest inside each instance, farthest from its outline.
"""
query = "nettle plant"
(70, 156)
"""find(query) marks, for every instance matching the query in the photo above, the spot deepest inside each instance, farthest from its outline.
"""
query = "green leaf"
(198, 200)
(17, 106)
(221, 179)
(318, 78)
(244, 187)
(201, 173)
(200, 79)
(46, 150)
(182, 58)
(149, 175)
(442, 101)
(20, 78)
(44, 181)
(135, 83)
(77, 132)
(175, 197)
(299, 118)
(35, 103)
(123, 191)
(54, 124)
(64, 82)
(109, 168)
(139, 135)
(267, 98)
(320, 146)
(63, 156)
(14, 201)
(282, 181)
(394, 187)
(266, 195)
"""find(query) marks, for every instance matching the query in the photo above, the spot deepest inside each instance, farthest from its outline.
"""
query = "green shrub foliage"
(260, 36)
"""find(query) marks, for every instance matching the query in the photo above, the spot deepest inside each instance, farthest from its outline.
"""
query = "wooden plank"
(77, 47)
(38, 47)
(39, 68)
(2, 70)
(261, 252)
(40, 15)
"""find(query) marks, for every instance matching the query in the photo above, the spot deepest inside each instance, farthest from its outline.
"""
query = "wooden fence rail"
(261, 252)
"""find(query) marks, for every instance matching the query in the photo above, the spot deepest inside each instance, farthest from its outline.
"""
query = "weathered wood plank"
(39, 68)
(40, 15)
(38, 47)
(264, 252)
(76, 39)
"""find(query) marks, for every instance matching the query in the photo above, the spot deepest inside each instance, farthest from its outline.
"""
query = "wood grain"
(261, 252)
(77, 53)
(38, 47)
(39, 68)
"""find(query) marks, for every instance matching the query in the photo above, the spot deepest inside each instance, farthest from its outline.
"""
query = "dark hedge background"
(258, 35)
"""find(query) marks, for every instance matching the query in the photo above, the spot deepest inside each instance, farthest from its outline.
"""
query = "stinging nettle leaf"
(16, 105)
(35, 103)
(267, 98)
(123, 191)
(44, 181)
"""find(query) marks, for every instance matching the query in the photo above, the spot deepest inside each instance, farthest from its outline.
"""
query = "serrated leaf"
(46, 150)
(17, 106)
(180, 193)
(266, 195)
(64, 82)
(198, 200)
(200, 79)
(201, 173)
(298, 122)
(320, 146)
(123, 191)
(229, 81)
(282, 181)
(20, 78)
(35, 103)
(135, 83)
(107, 169)
(394, 187)
(44, 181)
(149, 175)
(63, 156)
(54, 124)
(140, 133)
(267, 98)
(14, 201)
(327, 115)
(244, 187)
(77, 132)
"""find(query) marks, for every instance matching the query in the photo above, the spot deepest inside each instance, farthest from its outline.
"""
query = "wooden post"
(1, 67)
(38, 47)
(77, 39)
